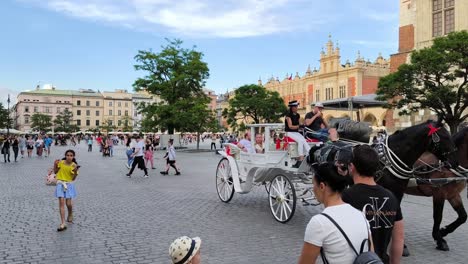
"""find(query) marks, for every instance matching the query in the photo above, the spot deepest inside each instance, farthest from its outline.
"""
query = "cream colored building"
(49, 101)
(118, 107)
(420, 22)
(88, 109)
(333, 80)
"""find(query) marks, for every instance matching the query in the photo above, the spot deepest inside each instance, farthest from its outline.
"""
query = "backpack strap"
(342, 232)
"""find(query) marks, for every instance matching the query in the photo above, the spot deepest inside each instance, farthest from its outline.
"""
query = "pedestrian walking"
(149, 154)
(90, 144)
(6, 149)
(213, 142)
(185, 250)
(66, 171)
(39, 146)
(170, 158)
(110, 146)
(29, 145)
(15, 147)
(47, 145)
(130, 157)
(22, 145)
(138, 158)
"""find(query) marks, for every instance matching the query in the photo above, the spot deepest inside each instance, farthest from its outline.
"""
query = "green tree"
(41, 122)
(254, 104)
(175, 74)
(107, 125)
(436, 79)
(199, 118)
(127, 124)
(4, 118)
(63, 122)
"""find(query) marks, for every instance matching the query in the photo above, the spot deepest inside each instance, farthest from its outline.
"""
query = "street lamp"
(8, 116)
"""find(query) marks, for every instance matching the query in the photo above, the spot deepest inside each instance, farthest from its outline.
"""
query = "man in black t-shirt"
(314, 121)
(379, 205)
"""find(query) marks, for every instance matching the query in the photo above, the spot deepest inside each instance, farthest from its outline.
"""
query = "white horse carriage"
(239, 171)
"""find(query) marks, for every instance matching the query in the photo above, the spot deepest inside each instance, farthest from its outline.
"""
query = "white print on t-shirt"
(379, 217)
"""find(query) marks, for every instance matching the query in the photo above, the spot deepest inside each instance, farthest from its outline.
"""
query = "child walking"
(170, 158)
(90, 144)
(66, 171)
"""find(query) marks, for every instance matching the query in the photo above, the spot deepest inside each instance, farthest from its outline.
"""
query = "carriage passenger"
(291, 124)
(322, 236)
(245, 144)
(259, 148)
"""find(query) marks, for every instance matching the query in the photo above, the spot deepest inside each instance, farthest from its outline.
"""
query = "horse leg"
(438, 204)
(457, 205)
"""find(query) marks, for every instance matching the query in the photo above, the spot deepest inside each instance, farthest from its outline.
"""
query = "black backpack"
(367, 257)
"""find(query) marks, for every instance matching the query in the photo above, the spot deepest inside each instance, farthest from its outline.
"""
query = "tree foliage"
(107, 125)
(41, 122)
(199, 118)
(436, 79)
(254, 104)
(127, 124)
(63, 122)
(175, 74)
(4, 117)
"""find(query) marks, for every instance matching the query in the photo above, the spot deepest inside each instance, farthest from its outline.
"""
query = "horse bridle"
(436, 146)
(404, 172)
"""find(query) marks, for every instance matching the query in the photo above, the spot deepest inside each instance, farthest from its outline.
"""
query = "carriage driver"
(291, 124)
(314, 121)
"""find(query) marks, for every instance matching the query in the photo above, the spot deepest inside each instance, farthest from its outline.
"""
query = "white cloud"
(199, 18)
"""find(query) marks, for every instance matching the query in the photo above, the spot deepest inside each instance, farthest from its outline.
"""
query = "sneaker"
(126, 165)
(163, 172)
(128, 175)
(146, 176)
(177, 173)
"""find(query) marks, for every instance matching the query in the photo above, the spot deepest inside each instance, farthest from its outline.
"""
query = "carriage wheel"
(224, 184)
(282, 198)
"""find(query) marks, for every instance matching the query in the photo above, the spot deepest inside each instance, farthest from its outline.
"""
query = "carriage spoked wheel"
(267, 187)
(224, 184)
(282, 197)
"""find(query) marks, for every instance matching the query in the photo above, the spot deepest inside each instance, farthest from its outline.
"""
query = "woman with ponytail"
(322, 236)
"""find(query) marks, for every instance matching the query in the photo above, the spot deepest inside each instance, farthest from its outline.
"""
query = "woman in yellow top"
(66, 171)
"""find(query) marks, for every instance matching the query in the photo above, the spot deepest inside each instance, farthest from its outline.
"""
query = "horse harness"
(399, 169)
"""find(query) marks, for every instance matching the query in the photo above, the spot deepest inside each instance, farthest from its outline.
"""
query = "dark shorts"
(170, 162)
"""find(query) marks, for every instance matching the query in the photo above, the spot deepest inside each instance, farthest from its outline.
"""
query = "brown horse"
(442, 191)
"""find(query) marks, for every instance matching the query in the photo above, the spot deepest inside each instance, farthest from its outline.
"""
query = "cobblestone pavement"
(122, 220)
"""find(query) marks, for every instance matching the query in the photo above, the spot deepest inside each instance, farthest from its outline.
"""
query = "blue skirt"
(69, 193)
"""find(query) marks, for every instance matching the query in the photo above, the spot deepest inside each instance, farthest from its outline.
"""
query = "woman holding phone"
(66, 171)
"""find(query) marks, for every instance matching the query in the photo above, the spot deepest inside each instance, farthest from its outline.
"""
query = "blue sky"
(76, 44)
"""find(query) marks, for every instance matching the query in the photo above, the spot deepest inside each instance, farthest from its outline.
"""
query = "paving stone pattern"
(122, 220)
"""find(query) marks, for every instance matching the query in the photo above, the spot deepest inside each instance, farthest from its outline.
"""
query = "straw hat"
(183, 249)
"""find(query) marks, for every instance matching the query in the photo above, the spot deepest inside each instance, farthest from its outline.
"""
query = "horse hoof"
(442, 245)
(406, 252)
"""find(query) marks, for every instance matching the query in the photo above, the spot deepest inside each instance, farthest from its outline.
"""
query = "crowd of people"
(356, 219)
